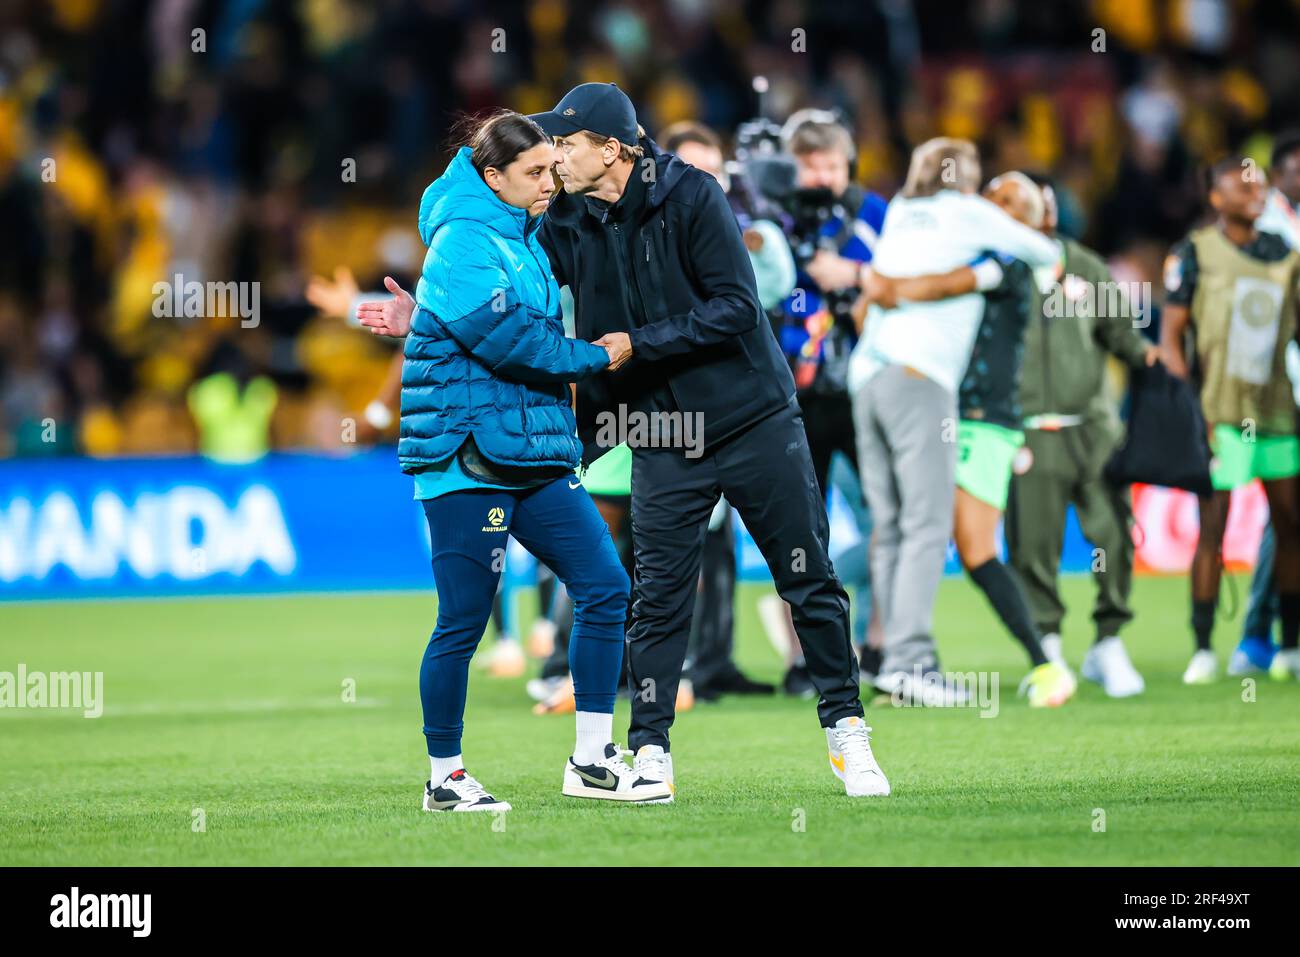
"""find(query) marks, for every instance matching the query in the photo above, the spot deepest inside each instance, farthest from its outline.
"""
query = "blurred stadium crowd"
(214, 140)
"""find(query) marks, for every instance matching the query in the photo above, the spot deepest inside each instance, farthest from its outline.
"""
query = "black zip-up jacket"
(699, 328)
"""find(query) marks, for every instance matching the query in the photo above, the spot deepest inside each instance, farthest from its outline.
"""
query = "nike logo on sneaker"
(443, 805)
(607, 780)
(440, 798)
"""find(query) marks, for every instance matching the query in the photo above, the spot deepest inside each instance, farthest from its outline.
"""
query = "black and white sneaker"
(612, 779)
(460, 792)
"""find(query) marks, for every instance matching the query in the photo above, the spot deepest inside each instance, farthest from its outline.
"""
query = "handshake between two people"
(392, 317)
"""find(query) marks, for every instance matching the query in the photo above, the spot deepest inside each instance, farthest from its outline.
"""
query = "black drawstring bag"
(1165, 443)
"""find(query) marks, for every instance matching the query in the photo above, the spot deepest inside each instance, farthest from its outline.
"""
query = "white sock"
(441, 767)
(595, 730)
(1052, 648)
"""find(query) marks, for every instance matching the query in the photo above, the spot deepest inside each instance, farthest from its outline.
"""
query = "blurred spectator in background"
(232, 408)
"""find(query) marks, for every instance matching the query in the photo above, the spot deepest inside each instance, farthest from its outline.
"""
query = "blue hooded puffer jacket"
(486, 354)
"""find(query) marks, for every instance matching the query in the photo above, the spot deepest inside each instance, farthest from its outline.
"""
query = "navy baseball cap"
(599, 107)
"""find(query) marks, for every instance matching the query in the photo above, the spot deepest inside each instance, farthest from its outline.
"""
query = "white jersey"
(930, 235)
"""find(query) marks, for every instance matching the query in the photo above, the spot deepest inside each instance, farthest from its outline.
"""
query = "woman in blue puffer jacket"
(488, 433)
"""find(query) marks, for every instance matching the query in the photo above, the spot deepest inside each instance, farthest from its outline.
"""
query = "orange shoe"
(685, 695)
(506, 660)
(560, 702)
(541, 638)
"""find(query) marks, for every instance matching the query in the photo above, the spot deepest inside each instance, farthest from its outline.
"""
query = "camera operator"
(762, 222)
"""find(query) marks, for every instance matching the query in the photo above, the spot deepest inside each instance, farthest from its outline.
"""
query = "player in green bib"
(1232, 290)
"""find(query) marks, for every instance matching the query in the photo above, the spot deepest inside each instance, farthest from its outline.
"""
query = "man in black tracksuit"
(653, 255)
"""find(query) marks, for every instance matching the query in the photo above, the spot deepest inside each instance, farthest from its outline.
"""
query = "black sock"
(1203, 622)
(1004, 594)
(1289, 611)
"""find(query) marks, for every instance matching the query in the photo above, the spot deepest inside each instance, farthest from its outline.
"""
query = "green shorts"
(1237, 460)
(985, 453)
(611, 474)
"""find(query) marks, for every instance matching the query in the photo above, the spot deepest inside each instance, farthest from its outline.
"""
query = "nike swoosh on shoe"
(609, 781)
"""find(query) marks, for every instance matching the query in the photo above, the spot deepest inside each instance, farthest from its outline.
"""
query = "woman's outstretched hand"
(390, 317)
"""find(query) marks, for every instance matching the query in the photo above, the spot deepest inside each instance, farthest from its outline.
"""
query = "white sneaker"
(460, 792)
(849, 743)
(1203, 669)
(655, 764)
(1240, 664)
(932, 690)
(1252, 656)
(1107, 664)
(506, 660)
(612, 779)
(1052, 648)
(539, 689)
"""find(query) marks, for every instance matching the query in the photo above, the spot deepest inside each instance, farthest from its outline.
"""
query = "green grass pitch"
(235, 707)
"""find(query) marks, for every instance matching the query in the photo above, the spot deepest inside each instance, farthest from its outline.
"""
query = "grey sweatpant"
(907, 451)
